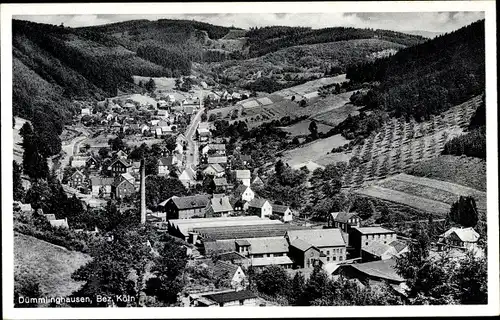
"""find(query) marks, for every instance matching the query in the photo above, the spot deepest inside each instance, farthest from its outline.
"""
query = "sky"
(404, 21)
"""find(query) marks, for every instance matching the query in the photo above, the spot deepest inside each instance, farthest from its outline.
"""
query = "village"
(224, 216)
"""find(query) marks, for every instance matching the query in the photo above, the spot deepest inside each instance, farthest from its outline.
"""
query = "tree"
(464, 212)
(26, 130)
(303, 103)
(204, 117)
(117, 144)
(168, 269)
(34, 163)
(103, 152)
(212, 117)
(273, 280)
(26, 286)
(471, 278)
(209, 185)
(17, 183)
(150, 85)
(170, 142)
(313, 128)
(296, 294)
(160, 188)
(279, 167)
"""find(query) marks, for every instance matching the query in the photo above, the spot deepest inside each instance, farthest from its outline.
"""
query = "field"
(400, 145)
(310, 87)
(467, 171)
(302, 128)
(51, 265)
(425, 194)
(335, 116)
(314, 151)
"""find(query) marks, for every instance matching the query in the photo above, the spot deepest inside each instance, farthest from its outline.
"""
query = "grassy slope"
(467, 171)
(51, 265)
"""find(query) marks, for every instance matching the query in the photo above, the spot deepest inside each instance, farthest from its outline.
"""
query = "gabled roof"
(343, 217)
(221, 182)
(231, 256)
(464, 234)
(216, 146)
(166, 161)
(240, 190)
(220, 204)
(268, 261)
(318, 237)
(127, 176)
(242, 242)
(383, 269)
(217, 167)
(398, 245)
(245, 157)
(77, 172)
(280, 209)
(379, 249)
(214, 160)
(268, 245)
(257, 203)
(231, 296)
(124, 162)
(224, 269)
(99, 181)
(197, 201)
(257, 181)
(120, 180)
(301, 244)
(242, 174)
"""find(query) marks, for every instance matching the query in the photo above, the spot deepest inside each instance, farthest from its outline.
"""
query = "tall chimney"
(143, 192)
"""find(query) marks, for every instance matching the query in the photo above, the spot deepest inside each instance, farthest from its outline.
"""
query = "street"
(192, 147)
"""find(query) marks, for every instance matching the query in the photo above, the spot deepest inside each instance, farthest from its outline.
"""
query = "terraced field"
(429, 195)
(400, 145)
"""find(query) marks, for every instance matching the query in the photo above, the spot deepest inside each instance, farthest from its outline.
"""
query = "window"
(340, 258)
(334, 258)
(327, 258)
(327, 252)
(366, 243)
(242, 302)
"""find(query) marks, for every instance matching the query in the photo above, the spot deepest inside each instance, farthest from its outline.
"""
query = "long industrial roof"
(246, 231)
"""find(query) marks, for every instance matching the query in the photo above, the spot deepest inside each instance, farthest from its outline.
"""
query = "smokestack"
(143, 192)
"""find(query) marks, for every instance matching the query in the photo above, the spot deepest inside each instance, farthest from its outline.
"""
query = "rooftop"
(214, 160)
(465, 234)
(190, 202)
(242, 174)
(246, 231)
(231, 296)
(257, 262)
(280, 209)
(257, 203)
(318, 237)
(383, 269)
(343, 217)
(217, 167)
(220, 204)
(378, 249)
(373, 230)
(268, 245)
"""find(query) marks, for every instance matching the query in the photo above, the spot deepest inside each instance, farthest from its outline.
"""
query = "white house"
(283, 211)
(460, 237)
(215, 170)
(245, 193)
(243, 176)
(85, 111)
(260, 207)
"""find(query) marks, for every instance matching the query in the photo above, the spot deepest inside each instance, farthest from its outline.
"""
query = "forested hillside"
(428, 78)
(269, 39)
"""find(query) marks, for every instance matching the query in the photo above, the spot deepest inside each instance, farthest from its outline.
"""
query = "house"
(245, 159)
(329, 242)
(86, 112)
(127, 176)
(79, 161)
(122, 188)
(189, 110)
(244, 193)
(101, 186)
(186, 207)
(230, 273)
(165, 164)
(234, 258)
(145, 128)
(243, 176)
(218, 160)
(257, 182)
(377, 251)
(283, 211)
(203, 134)
(228, 299)
(59, 223)
(92, 163)
(77, 179)
(373, 273)
(260, 207)
(214, 148)
(215, 170)
(460, 237)
(188, 177)
(343, 221)
(218, 207)
(221, 184)
(120, 166)
(361, 237)
(162, 113)
(121, 154)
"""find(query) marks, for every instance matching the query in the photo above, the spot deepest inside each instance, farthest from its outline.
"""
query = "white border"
(7, 11)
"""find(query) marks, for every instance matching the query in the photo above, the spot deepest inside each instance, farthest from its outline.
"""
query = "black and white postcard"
(284, 159)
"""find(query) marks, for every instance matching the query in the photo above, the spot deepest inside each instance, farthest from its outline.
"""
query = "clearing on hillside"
(424, 194)
(302, 128)
(49, 264)
(315, 151)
